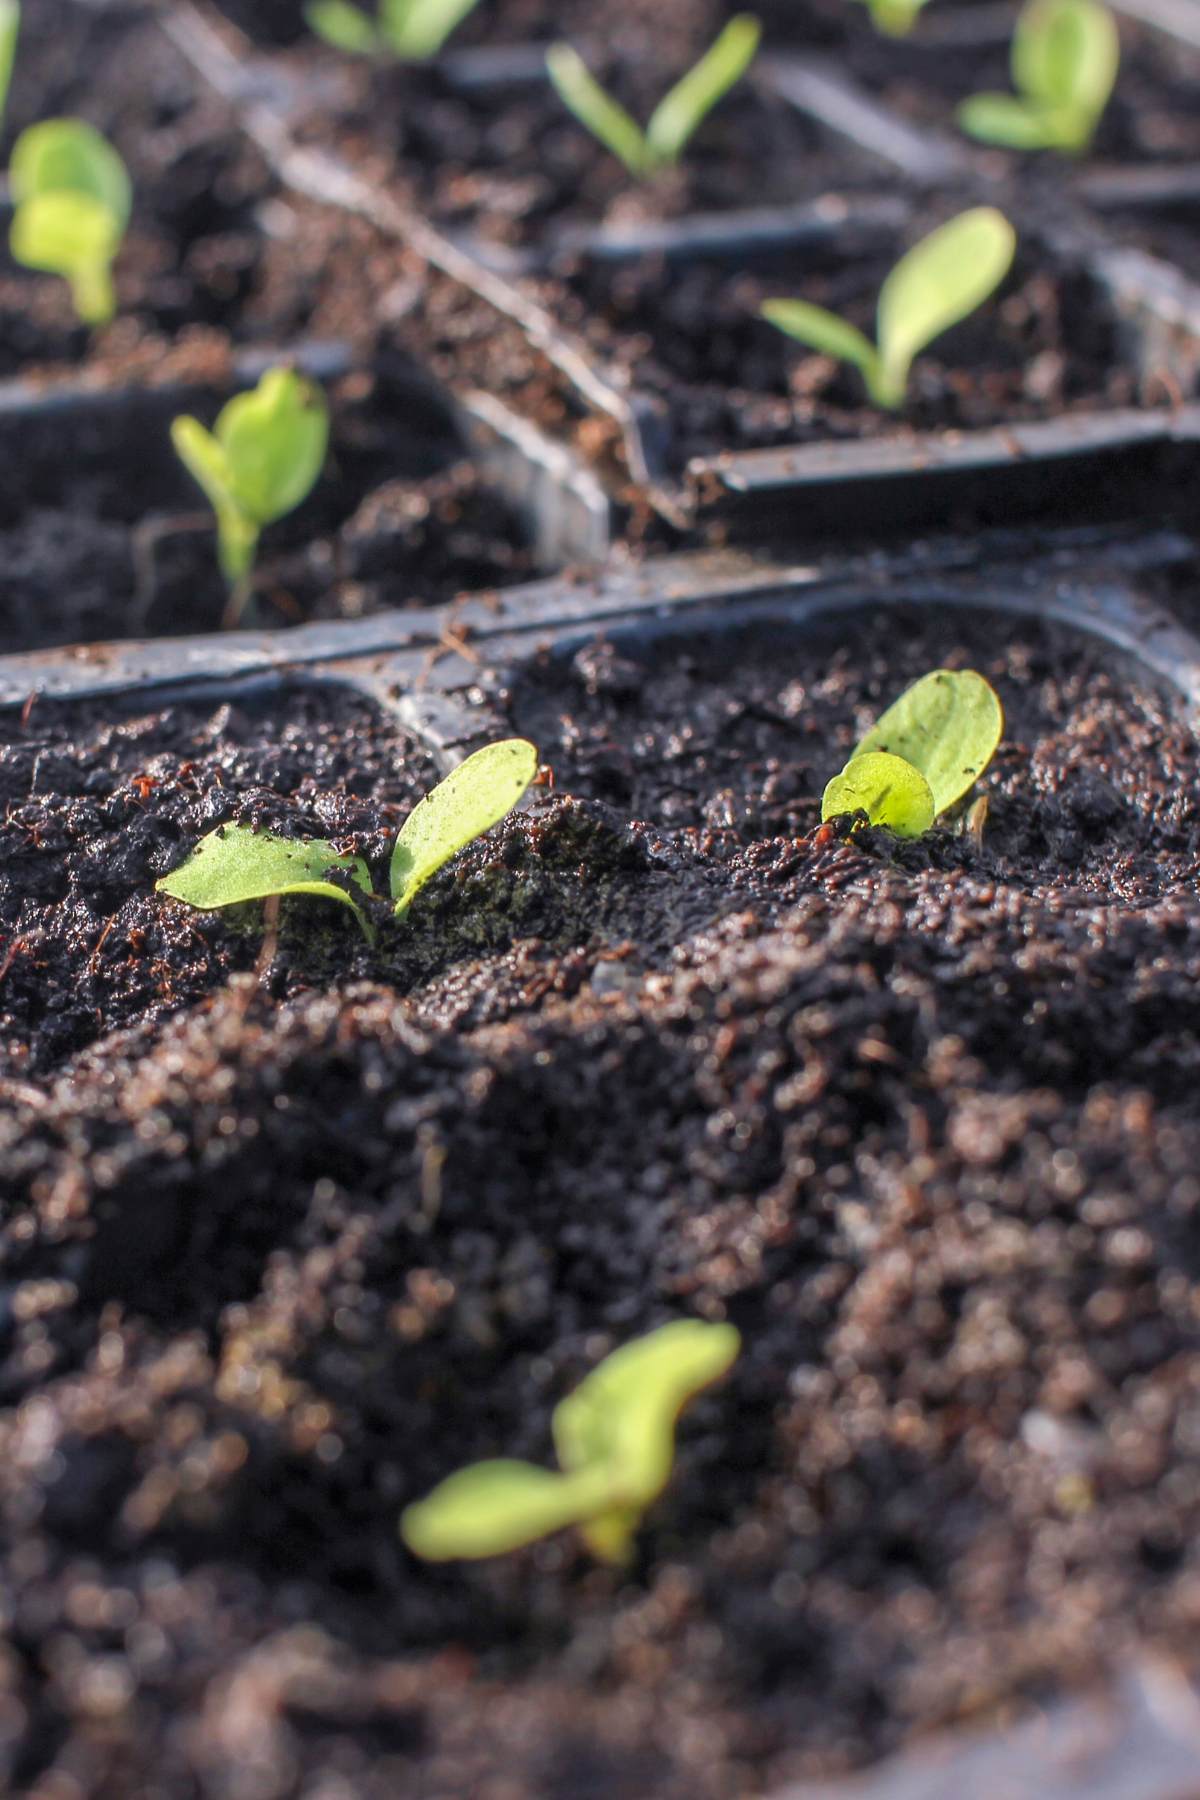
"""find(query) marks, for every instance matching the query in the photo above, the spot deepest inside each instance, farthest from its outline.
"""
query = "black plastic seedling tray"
(455, 676)
(1138, 460)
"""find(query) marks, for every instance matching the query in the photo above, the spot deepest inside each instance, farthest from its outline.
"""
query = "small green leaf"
(939, 282)
(888, 789)
(417, 29)
(67, 154)
(261, 459)
(596, 109)
(344, 26)
(680, 114)
(493, 1507)
(1003, 119)
(275, 438)
(75, 236)
(10, 28)
(947, 725)
(895, 18)
(622, 1418)
(72, 201)
(824, 331)
(473, 798)
(1065, 57)
(235, 864)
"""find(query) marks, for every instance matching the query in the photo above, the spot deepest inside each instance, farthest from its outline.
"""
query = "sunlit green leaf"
(887, 789)
(823, 331)
(72, 201)
(473, 798)
(494, 1507)
(677, 118)
(417, 29)
(594, 107)
(615, 1438)
(1065, 55)
(895, 18)
(10, 29)
(939, 282)
(235, 864)
(262, 458)
(1004, 120)
(344, 26)
(68, 154)
(623, 1414)
(947, 725)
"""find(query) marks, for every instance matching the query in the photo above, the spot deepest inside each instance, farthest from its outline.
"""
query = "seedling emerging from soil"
(10, 26)
(72, 199)
(938, 283)
(1065, 55)
(924, 755)
(262, 458)
(235, 863)
(410, 30)
(676, 119)
(895, 18)
(615, 1439)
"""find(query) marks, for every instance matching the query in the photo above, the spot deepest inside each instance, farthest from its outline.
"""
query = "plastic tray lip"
(406, 655)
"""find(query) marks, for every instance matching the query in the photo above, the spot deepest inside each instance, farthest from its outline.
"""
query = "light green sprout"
(1065, 56)
(676, 118)
(938, 283)
(615, 1441)
(895, 18)
(924, 755)
(411, 30)
(72, 200)
(261, 459)
(234, 863)
(10, 28)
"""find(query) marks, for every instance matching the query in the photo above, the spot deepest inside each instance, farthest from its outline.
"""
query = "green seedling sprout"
(924, 755)
(10, 28)
(938, 283)
(261, 459)
(410, 30)
(234, 863)
(1065, 56)
(676, 119)
(615, 1442)
(72, 200)
(895, 18)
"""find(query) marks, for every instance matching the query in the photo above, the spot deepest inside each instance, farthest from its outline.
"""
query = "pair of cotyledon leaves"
(235, 863)
(925, 753)
(615, 1442)
(1064, 59)
(72, 199)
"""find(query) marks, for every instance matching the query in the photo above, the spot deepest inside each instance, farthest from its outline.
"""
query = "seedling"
(938, 283)
(676, 118)
(262, 458)
(924, 755)
(10, 27)
(410, 30)
(615, 1441)
(72, 201)
(234, 863)
(895, 18)
(1065, 55)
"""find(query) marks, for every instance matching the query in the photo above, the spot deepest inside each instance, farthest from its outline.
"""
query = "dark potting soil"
(691, 337)
(118, 543)
(921, 1124)
(512, 164)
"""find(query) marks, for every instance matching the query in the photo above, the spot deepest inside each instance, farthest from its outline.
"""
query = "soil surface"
(283, 1245)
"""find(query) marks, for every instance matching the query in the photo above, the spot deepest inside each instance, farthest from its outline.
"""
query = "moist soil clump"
(284, 1245)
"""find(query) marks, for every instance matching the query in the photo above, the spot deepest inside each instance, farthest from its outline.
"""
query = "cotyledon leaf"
(497, 1506)
(888, 789)
(474, 797)
(947, 725)
(234, 864)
